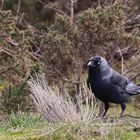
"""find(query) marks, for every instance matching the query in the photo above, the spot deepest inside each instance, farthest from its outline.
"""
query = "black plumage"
(108, 85)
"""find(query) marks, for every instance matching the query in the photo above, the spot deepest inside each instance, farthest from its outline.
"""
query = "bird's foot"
(122, 114)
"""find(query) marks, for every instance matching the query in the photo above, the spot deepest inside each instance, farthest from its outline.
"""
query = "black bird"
(108, 85)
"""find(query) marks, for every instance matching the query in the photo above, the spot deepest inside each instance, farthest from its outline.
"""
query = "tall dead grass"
(57, 108)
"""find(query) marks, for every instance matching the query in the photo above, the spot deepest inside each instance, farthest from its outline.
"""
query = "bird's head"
(98, 64)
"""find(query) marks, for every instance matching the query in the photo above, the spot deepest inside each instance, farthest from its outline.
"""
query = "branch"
(122, 60)
(8, 68)
(73, 82)
(18, 8)
(7, 51)
(132, 68)
(11, 41)
(135, 76)
(53, 8)
(72, 11)
(2, 3)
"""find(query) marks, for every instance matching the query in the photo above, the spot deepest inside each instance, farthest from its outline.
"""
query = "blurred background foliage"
(57, 37)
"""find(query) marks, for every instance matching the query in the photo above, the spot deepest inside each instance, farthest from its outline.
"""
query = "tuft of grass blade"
(57, 108)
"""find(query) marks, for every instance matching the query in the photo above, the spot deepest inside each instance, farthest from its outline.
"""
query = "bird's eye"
(99, 63)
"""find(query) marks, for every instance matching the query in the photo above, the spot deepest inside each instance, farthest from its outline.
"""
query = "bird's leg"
(106, 108)
(101, 109)
(123, 106)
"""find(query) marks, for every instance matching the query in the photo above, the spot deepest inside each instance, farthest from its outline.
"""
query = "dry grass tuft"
(57, 108)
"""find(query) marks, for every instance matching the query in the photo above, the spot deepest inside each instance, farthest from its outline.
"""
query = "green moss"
(105, 129)
(71, 132)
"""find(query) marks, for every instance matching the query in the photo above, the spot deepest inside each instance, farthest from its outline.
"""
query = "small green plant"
(23, 120)
(14, 98)
(32, 127)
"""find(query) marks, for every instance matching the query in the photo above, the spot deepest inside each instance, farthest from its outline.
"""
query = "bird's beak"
(90, 64)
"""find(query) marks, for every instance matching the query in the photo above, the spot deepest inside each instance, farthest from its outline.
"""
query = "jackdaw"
(108, 85)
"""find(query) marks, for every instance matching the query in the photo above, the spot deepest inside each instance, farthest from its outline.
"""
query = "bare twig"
(11, 41)
(72, 11)
(55, 9)
(73, 82)
(2, 3)
(8, 68)
(135, 76)
(122, 60)
(132, 68)
(21, 18)
(127, 115)
(99, 2)
(7, 51)
(18, 8)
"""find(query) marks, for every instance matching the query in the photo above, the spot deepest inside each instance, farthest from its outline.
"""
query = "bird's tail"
(132, 89)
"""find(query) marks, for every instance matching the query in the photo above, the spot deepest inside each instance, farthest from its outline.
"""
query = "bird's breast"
(100, 87)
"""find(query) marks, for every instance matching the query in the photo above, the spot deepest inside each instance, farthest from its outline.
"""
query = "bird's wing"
(119, 80)
(124, 83)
